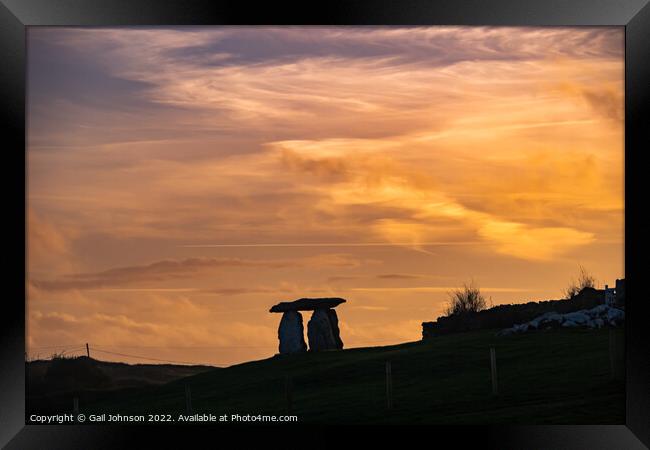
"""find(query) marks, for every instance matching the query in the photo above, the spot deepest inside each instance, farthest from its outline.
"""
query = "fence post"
(493, 366)
(75, 405)
(389, 385)
(288, 394)
(612, 353)
(188, 399)
(87, 350)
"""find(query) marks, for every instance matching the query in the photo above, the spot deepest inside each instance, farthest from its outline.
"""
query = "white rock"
(578, 317)
(597, 311)
(615, 314)
(596, 317)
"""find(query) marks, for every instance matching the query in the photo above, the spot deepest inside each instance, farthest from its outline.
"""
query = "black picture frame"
(16, 15)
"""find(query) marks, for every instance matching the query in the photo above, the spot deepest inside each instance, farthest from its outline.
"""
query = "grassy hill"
(51, 384)
(556, 376)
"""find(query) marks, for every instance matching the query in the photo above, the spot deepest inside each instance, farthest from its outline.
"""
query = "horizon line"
(341, 244)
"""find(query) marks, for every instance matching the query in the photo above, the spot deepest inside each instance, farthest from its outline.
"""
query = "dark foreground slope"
(52, 384)
(558, 376)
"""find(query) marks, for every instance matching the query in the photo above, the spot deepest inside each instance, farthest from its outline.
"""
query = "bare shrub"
(465, 299)
(585, 280)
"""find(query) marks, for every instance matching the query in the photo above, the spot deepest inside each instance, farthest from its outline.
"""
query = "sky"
(181, 181)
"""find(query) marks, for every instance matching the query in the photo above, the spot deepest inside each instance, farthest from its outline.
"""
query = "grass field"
(551, 377)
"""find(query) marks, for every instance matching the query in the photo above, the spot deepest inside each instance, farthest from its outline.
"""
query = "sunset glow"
(183, 180)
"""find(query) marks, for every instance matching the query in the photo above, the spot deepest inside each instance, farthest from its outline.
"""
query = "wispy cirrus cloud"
(167, 270)
(398, 276)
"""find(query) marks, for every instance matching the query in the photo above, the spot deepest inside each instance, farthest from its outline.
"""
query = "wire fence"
(391, 389)
(395, 392)
(48, 352)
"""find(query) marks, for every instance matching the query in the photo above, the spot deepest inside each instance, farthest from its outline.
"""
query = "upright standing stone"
(290, 333)
(320, 331)
(334, 322)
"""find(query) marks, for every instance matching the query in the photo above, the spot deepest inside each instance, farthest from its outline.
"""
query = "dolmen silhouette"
(322, 329)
